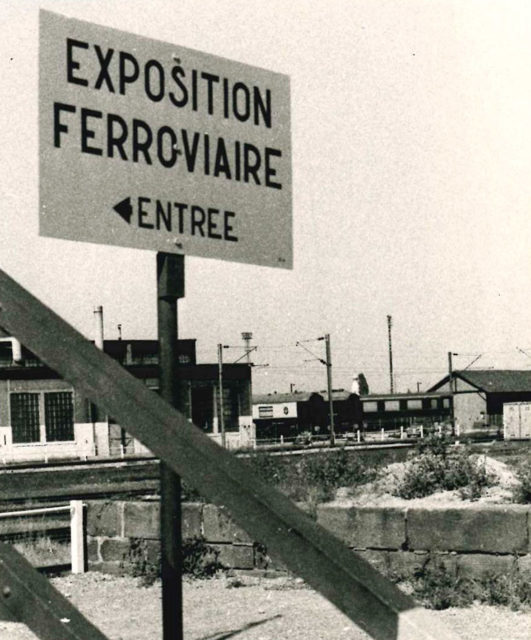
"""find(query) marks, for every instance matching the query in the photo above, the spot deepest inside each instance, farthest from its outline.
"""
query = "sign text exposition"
(192, 151)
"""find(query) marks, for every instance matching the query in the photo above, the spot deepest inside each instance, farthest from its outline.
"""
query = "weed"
(436, 588)
(143, 559)
(522, 492)
(200, 560)
(313, 478)
(437, 468)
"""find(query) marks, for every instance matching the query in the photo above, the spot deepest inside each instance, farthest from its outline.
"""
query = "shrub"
(312, 478)
(522, 493)
(437, 588)
(436, 468)
(143, 562)
(200, 560)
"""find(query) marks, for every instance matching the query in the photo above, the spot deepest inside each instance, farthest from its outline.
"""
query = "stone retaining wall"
(469, 541)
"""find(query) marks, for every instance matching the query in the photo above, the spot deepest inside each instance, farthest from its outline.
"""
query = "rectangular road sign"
(151, 145)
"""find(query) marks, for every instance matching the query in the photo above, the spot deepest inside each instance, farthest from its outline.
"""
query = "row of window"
(28, 409)
(405, 405)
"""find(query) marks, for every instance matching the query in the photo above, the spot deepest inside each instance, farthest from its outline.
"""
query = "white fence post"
(77, 536)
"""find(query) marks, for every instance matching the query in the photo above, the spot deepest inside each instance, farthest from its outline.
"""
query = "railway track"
(78, 479)
(97, 478)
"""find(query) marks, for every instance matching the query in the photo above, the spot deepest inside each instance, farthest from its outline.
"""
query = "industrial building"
(479, 394)
(44, 417)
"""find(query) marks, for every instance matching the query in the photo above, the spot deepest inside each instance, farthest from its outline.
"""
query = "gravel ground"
(266, 609)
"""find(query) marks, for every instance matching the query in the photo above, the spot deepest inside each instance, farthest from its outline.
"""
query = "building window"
(59, 416)
(370, 406)
(414, 404)
(25, 417)
(446, 403)
(6, 354)
(56, 407)
(392, 405)
(265, 411)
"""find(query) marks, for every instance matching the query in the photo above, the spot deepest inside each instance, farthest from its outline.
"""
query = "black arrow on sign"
(125, 209)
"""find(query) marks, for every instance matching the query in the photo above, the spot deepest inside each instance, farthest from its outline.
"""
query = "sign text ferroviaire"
(151, 145)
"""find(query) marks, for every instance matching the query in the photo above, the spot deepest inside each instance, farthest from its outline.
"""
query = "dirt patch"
(380, 491)
(280, 609)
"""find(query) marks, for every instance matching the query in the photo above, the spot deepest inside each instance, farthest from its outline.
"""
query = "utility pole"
(389, 325)
(220, 385)
(452, 387)
(329, 383)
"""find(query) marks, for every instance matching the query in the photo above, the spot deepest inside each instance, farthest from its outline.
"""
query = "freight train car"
(288, 415)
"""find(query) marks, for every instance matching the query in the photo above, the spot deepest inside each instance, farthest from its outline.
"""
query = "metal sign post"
(170, 287)
(151, 145)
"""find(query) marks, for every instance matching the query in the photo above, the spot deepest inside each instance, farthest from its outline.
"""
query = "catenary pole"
(451, 386)
(329, 384)
(170, 287)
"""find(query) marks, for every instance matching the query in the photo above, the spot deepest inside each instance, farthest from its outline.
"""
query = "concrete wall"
(469, 541)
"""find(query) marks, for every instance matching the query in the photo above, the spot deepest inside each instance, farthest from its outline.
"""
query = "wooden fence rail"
(344, 578)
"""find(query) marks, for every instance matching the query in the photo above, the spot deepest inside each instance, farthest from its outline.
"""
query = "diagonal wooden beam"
(307, 549)
(27, 596)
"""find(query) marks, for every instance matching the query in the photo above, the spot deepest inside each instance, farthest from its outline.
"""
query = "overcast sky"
(411, 151)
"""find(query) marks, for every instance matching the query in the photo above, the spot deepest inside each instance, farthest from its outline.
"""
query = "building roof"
(283, 398)
(494, 380)
(338, 394)
(416, 395)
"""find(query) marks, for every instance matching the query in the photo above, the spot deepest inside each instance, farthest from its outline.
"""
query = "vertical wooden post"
(170, 287)
(77, 539)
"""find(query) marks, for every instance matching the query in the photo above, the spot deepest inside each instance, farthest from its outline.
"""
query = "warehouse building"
(44, 417)
(479, 395)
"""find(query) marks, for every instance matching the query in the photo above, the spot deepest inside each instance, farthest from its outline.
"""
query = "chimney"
(98, 327)
(16, 350)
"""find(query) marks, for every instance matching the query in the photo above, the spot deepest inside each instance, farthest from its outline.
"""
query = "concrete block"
(365, 527)
(114, 549)
(104, 518)
(379, 559)
(477, 565)
(142, 520)
(218, 527)
(446, 560)
(234, 556)
(495, 529)
(524, 566)
(191, 519)
(406, 563)
(262, 559)
(93, 550)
